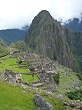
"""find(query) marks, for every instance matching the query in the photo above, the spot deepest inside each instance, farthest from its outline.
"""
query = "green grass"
(29, 78)
(42, 87)
(11, 64)
(13, 98)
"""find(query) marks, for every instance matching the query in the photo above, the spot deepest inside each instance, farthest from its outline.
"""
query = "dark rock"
(42, 104)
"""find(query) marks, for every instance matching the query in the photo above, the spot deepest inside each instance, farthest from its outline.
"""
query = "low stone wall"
(42, 104)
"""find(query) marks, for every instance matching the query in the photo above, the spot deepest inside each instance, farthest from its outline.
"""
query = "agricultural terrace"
(12, 64)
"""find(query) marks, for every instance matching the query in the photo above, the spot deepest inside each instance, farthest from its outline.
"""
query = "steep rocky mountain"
(12, 35)
(74, 24)
(48, 37)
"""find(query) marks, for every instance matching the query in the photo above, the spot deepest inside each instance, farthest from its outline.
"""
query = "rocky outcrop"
(42, 104)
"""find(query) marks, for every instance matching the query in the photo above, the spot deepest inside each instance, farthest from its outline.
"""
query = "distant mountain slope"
(22, 46)
(3, 49)
(74, 24)
(12, 35)
(46, 36)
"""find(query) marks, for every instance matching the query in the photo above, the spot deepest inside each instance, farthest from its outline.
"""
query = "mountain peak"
(44, 12)
(42, 17)
(46, 36)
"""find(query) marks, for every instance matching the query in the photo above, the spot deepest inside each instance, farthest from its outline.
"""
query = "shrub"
(32, 69)
(79, 76)
(77, 95)
(56, 78)
(3, 51)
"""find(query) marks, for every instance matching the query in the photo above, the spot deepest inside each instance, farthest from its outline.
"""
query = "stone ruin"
(45, 69)
(13, 77)
(24, 55)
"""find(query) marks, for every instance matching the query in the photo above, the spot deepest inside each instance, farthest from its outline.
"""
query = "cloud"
(69, 9)
(16, 13)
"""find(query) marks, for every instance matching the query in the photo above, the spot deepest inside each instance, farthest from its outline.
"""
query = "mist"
(17, 13)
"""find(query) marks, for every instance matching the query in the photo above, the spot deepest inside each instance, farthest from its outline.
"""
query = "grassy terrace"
(67, 79)
(29, 79)
(11, 64)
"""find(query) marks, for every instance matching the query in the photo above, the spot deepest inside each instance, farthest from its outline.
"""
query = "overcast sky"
(17, 13)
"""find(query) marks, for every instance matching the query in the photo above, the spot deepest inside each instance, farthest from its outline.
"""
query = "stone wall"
(13, 77)
(42, 104)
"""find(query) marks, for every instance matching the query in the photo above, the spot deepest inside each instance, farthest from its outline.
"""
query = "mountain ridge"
(12, 35)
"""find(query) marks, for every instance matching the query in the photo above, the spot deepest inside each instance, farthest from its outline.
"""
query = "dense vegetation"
(22, 46)
(77, 95)
(56, 78)
(79, 76)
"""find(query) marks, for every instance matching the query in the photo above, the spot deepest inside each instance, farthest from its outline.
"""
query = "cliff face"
(46, 36)
(74, 39)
